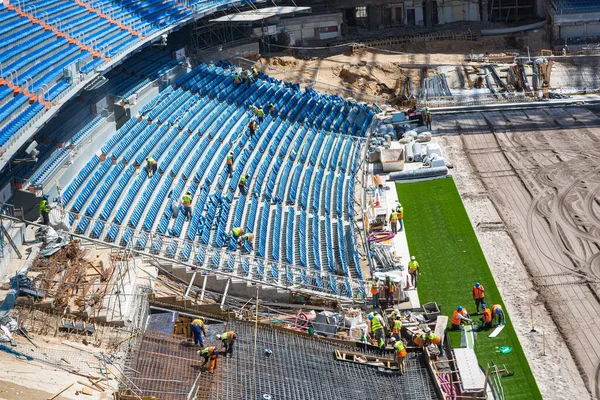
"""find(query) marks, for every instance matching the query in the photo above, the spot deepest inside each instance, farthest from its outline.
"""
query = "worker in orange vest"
(400, 351)
(400, 212)
(210, 353)
(458, 318)
(478, 295)
(388, 287)
(397, 329)
(375, 292)
(498, 314)
(228, 340)
(486, 319)
(230, 164)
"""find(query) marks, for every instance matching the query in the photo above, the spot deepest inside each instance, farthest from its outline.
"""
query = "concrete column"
(375, 16)
(428, 10)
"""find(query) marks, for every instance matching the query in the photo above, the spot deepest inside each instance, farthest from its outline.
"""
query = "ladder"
(4, 233)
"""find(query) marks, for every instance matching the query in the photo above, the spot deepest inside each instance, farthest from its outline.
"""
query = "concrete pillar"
(375, 16)
(483, 10)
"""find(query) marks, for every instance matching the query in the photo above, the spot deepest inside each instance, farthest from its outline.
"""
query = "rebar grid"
(304, 368)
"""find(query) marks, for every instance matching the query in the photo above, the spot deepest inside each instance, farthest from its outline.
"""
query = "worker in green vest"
(45, 210)
(260, 114)
(377, 332)
(237, 232)
(246, 237)
(242, 185)
(394, 221)
(151, 166)
(187, 205)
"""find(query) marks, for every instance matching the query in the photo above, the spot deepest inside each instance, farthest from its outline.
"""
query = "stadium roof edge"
(259, 14)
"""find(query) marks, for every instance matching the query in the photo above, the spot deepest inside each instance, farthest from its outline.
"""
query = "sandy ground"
(559, 371)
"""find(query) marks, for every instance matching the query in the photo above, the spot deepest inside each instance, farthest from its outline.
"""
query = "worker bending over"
(397, 328)
(242, 185)
(377, 331)
(478, 295)
(260, 114)
(210, 354)
(228, 340)
(458, 318)
(246, 238)
(413, 271)
(400, 352)
(198, 330)
(45, 210)
(486, 318)
(252, 126)
(426, 338)
(151, 166)
(498, 314)
(187, 205)
(237, 232)
(271, 108)
(254, 72)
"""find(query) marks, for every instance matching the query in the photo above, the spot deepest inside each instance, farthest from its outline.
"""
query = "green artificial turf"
(442, 239)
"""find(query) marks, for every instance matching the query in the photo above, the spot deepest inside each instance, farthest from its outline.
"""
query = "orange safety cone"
(377, 199)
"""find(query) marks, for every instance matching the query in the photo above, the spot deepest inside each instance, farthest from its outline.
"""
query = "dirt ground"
(381, 72)
(529, 182)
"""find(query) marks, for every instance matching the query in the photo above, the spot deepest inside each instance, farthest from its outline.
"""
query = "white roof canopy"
(261, 14)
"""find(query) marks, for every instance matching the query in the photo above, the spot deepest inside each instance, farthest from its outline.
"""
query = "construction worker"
(228, 340)
(230, 164)
(397, 328)
(377, 332)
(498, 314)
(45, 210)
(394, 221)
(375, 292)
(252, 126)
(413, 271)
(236, 78)
(458, 318)
(254, 72)
(246, 237)
(260, 114)
(400, 351)
(428, 120)
(198, 330)
(210, 353)
(242, 185)
(250, 80)
(271, 108)
(151, 166)
(478, 295)
(244, 77)
(187, 205)
(388, 292)
(486, 318)
(434, 339)
(400, 213)
(237, 232)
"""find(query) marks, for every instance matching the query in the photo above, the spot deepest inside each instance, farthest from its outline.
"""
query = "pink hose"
(381, 236)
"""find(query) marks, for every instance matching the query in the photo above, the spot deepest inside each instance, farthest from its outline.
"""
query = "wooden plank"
(62, 391)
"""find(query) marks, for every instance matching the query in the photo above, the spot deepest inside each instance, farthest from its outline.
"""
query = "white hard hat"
(393, 339)
(427, 329)
(218, 337)
(413, 258)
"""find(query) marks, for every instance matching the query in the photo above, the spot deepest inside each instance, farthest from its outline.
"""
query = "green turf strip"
(442, 239)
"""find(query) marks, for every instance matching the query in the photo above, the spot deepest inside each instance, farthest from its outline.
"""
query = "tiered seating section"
(575, 6)
(301, 165)
(39, 38)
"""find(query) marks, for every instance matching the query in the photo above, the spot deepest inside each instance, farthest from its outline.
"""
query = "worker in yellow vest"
(413, 271)
(237, 232)
(242, 185)
(254, 72)
(198, 330)
(246, 238)
(400, 213)
(394, 221)
(151, 166)
(236, 78)
(45, 210)
(228, 340)
(187, 205)
(397, 329)
(400, 352)
(260, 114)
(377, 331)
(229, 162)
